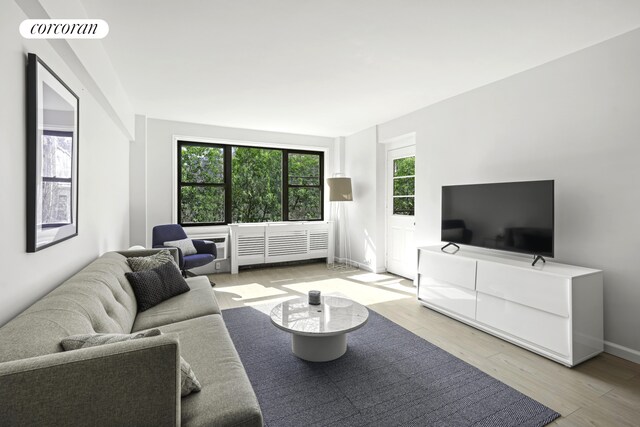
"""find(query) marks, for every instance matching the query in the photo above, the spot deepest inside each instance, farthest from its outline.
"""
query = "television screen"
(509, 216)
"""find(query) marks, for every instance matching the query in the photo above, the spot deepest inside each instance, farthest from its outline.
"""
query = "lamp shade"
(340, 189)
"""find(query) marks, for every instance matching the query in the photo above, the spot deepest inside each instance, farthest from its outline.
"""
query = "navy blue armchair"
(207, 251)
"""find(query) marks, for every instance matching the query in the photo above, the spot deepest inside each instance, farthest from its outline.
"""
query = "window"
(256, 184)
(304, 186)
(56, 178)
(220, 184)
(202, 195)
(404, 170)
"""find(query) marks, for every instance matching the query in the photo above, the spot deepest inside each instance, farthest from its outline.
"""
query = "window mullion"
(227, 185)
(321, 176)
(179, 195)
(285, 185)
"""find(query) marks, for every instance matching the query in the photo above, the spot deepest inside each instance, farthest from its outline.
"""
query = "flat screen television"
(508, 216)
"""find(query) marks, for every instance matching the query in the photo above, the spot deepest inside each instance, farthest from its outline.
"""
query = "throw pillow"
(149, 262)
(188, 381)
(76, 342)
(185, 245)
(151, 287)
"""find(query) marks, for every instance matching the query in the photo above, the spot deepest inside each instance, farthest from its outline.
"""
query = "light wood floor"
(604, 391)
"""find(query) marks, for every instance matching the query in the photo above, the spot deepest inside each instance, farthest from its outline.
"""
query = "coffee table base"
(319, 349)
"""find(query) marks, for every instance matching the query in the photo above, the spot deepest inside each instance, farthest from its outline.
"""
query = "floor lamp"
(340, 192)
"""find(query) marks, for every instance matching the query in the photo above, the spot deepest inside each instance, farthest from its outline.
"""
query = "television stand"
(537, 258)
(555, 311)
(450, 244)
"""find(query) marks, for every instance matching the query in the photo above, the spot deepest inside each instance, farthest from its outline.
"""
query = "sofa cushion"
(140, 263)
(98, 299)
(188, 381)
(156, 285)
(227, 397)
(199, 301)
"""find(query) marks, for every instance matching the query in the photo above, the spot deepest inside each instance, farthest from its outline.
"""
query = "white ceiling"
(334, 67)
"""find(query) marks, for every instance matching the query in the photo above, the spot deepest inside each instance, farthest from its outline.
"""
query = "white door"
(401, 226)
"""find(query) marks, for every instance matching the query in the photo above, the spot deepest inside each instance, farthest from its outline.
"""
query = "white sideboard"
(263, 243)
(553, 309)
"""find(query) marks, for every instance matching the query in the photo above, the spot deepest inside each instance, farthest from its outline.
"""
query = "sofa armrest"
(134, 382)
(205, 247)
(146, 252)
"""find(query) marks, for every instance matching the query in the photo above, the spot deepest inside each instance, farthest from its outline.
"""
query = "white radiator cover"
(265, 243)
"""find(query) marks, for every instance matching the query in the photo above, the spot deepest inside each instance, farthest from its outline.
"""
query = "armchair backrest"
(167, 232)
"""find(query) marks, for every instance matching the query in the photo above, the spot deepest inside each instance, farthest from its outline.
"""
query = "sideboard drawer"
(532, 288)
(456, 299)
(538, 327)
(447, 269)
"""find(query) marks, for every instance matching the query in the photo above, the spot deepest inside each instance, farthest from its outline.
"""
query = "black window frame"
(227, 181)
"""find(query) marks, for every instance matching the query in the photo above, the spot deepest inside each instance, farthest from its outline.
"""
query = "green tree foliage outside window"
(305, 198)
(202, 189)
(256, 186)
(404, 170)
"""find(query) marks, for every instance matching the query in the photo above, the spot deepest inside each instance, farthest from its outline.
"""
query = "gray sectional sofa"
(129, 383)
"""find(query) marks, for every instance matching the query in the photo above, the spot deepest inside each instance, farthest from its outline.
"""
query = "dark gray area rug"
(388, 377)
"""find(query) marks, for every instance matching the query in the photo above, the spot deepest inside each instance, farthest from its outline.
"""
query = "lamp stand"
(341, 225)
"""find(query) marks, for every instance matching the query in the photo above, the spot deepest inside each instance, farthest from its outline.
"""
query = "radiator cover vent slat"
(250, 245)
(319, 241)
(287, 243)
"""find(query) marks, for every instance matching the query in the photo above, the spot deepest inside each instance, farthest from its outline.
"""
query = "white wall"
(364, 163)
(103, 212)
(575, 120)
(160, 155)
(138, 183)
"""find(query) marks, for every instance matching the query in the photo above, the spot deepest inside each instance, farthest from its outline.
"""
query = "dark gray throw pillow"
(188, 381)
(151, 287)
(140, 263)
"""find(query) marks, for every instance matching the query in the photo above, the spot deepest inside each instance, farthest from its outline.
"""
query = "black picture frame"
(53, 120)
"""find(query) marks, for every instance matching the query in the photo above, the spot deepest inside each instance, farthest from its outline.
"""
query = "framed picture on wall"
(52, 157)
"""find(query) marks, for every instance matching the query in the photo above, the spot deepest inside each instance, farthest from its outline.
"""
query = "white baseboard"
(621, 351)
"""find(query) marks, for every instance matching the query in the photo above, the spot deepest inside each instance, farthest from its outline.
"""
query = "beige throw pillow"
(152, 261)
(188, 381)
(185, 245)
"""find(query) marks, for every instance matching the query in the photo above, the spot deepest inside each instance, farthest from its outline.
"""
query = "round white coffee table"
(319, 332)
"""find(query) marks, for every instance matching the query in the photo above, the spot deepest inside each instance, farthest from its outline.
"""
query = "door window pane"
(404, 167)
(403, 186)
(403, 205)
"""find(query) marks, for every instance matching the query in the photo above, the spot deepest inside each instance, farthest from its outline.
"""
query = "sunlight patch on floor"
(399, 286)
(249, 291)
(265, 306)
(372, 277)
(363, 294)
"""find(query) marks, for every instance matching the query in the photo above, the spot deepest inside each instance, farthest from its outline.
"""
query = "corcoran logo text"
(64, 28)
